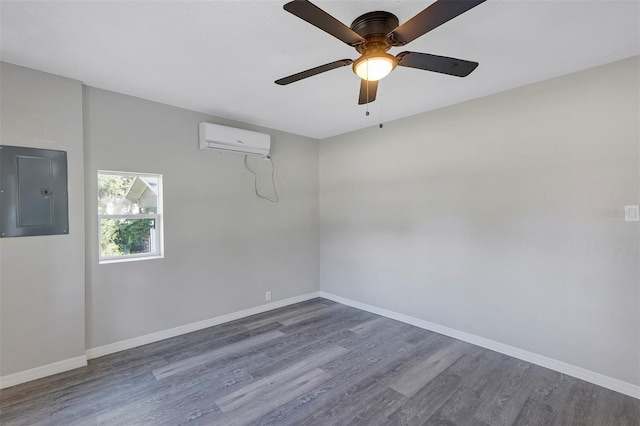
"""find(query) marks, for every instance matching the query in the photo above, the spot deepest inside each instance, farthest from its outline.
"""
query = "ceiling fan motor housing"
(374, 27)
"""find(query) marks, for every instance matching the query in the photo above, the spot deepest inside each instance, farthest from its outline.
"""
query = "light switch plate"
(631, 213)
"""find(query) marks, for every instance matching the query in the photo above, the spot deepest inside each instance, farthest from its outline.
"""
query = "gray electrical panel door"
(33, 192)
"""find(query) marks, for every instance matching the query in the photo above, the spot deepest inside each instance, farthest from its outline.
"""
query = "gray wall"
(224, 247)
(493, 217)
(42, 277)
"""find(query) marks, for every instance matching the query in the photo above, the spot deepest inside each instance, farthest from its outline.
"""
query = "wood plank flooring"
(313, 363)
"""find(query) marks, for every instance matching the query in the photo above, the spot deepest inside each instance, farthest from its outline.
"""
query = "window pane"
(127, 194)
(127, 236)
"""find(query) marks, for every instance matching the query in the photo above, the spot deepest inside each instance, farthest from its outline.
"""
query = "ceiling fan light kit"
(375, 66)
(374, 33)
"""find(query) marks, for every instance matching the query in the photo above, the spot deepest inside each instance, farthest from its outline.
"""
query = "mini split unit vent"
(222, 138)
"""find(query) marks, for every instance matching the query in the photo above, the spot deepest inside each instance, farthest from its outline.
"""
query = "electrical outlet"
(267, 296)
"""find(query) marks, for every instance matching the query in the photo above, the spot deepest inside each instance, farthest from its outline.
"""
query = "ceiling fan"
(374, 33)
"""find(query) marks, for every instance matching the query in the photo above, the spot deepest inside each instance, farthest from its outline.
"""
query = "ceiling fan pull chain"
(367, 83)
(380, 102)
(367, 113)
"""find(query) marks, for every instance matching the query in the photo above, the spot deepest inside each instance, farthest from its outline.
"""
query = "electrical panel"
(33, 192)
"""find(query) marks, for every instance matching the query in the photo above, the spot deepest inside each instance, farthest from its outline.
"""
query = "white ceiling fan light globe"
(374, 68)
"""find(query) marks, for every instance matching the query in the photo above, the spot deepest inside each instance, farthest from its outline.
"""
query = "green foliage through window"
(126, 236)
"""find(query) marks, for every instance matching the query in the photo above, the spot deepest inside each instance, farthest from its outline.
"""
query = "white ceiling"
(221, 57)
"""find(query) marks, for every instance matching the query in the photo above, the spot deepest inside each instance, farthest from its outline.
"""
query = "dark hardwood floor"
(314, 363)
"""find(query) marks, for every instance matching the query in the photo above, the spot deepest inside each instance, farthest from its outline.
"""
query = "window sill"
(130, 259)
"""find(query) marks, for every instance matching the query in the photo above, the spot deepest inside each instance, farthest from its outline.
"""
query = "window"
(129, 216)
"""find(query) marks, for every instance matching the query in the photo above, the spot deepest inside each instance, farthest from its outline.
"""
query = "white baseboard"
(541, 360)
(562, 367)
(188, 328)
(81, 361)
(43, 371)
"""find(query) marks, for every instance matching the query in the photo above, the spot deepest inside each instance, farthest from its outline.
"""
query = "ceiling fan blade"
(314, 71)
(368, 91)
(311, 13)
(441, 64)
(432, 17)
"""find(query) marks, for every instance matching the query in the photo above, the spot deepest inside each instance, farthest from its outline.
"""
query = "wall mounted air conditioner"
(223, 138)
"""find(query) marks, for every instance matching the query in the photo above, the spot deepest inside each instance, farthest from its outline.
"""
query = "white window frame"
(157, 236)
